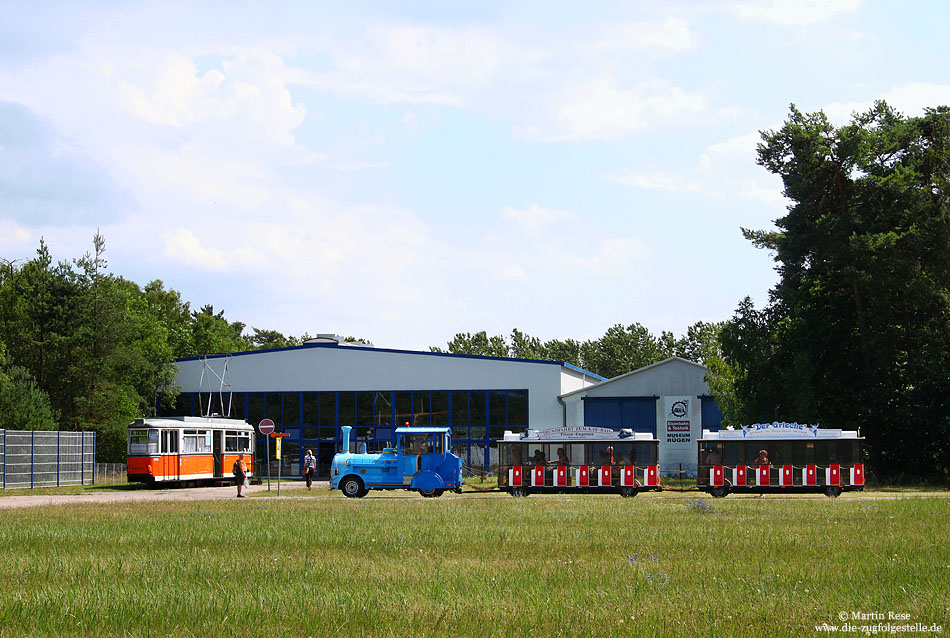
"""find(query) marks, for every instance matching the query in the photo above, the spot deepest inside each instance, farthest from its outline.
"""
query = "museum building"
(310, 391)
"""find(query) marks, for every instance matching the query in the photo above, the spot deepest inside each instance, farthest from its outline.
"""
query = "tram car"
(421, 461)
(187, 450)
(780, 457)
(578, 460)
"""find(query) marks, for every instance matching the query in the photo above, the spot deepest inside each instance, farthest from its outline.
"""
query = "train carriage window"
(646, 454)
(732, 453)
(536, 454)
(511, 453)
(799, 452)
(623, 453)
(575, 452)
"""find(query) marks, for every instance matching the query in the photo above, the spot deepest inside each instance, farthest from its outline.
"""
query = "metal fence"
(111, 473)
(43, 459)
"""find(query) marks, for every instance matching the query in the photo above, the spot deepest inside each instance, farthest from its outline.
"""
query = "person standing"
(309, 467)
(240, 474)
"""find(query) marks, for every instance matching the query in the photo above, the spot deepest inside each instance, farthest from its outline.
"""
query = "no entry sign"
(266, 426)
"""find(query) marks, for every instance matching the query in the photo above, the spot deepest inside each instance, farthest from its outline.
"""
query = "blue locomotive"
(422, 461)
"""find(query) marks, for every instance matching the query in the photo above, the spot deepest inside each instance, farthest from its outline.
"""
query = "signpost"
(267, 427)
(278, 436)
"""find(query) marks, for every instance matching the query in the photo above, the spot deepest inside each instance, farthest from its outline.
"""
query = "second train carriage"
(578, 459)
(187, 449)
(780, 457)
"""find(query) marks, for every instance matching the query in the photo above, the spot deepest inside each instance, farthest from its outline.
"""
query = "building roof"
(357, 348)
(638, 371)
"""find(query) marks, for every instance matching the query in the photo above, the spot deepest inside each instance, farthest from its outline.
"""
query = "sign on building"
(678, 431)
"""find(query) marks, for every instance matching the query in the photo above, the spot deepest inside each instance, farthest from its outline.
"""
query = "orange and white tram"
(578, 460)
(187, 449)
(780, 457)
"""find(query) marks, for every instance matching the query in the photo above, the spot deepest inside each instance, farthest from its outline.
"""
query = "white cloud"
(723, 171)
(653, 180)
(248, 92)
(536, 218)
(909, 99)
(12, 235)
(672, 35)
(603, 110)
(795, 12)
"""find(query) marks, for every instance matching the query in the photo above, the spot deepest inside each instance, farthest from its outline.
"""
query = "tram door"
(170, 469)
(217, 447)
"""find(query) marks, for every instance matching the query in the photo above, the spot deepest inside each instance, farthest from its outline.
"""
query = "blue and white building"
(310, 391)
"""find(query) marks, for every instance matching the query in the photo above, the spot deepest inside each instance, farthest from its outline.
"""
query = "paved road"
(295, 489)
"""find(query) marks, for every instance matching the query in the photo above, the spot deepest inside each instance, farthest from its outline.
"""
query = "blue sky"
(405, 171)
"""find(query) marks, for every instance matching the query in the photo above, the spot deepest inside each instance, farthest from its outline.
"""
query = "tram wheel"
(628, 492)
(353, 488)
(833, 491)
(719, 491)
(519, 492)
(431, 493)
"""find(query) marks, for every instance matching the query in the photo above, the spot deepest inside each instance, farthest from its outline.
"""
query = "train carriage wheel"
(353, 488)
(719, 491)
(519, 492)
(832, 491)
(628, 492)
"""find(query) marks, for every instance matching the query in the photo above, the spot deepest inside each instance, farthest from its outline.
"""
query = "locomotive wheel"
(833, 491)
(628, 492)
(519, 492)
(431, 493)
(353, 488)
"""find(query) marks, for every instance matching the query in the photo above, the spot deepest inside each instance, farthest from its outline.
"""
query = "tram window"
(190, 441)
(197, 441)
(140, 442)
(237, 442)
(170, 442)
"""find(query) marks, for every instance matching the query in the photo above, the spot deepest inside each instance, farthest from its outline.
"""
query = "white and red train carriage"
(187, 449)
(578, 460)
(780, 457)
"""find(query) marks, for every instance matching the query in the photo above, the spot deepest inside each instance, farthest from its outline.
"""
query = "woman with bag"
(309, 467)
(240, 474)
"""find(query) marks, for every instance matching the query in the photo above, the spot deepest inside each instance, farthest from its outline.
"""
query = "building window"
(460, 408)
(476, 407)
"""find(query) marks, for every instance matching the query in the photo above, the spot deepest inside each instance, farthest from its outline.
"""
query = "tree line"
(84, 349)
(856, 333)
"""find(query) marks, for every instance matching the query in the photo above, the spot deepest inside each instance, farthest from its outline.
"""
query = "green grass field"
(471, 566)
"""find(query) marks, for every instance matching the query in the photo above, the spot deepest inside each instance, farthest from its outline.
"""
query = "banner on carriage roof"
(576, 431)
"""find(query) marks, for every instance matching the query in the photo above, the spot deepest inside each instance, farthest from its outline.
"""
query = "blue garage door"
(712, 415)
(636, 413)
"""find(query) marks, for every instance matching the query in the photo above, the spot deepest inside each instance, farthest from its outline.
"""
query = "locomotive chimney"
(346, 438)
